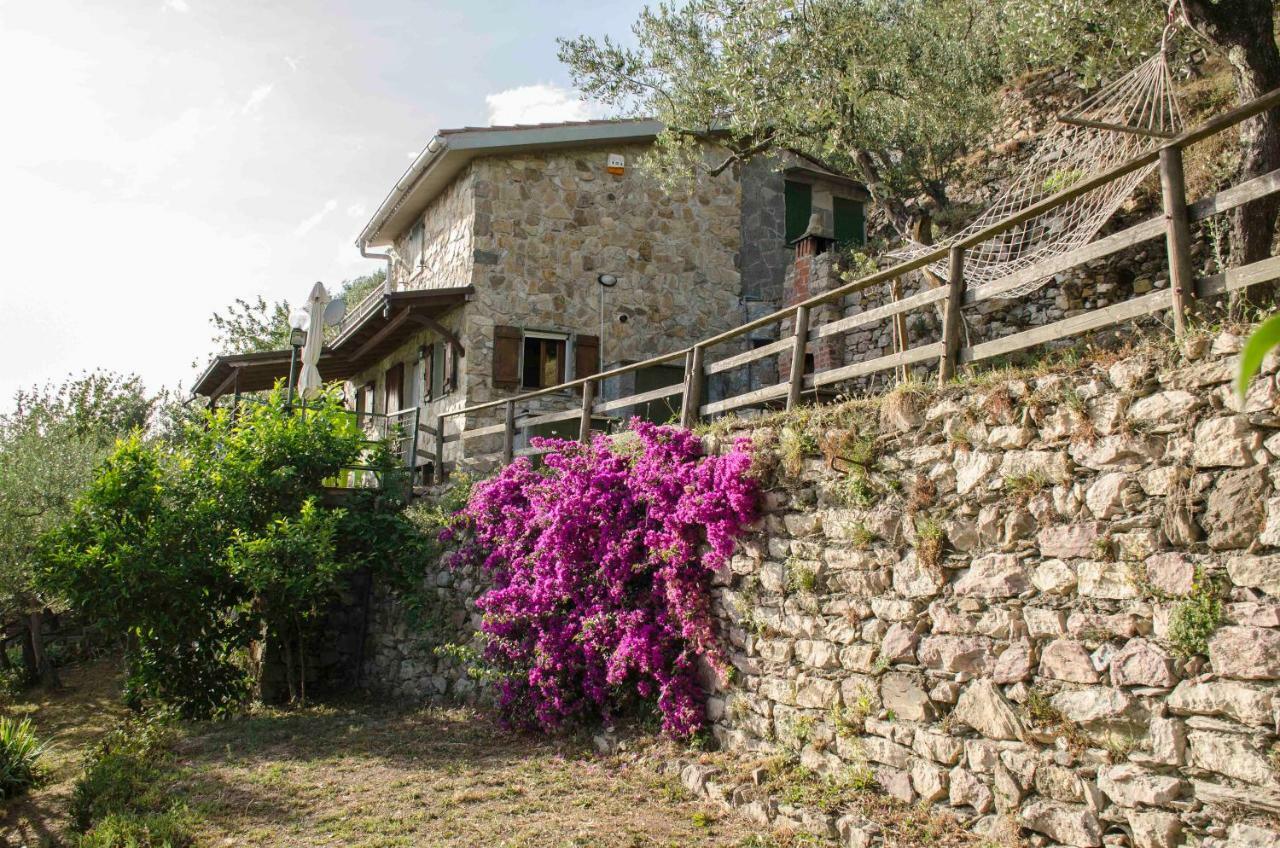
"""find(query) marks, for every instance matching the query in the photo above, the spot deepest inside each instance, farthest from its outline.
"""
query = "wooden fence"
(949, 352)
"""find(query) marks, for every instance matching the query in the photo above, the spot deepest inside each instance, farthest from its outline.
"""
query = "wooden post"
(1177, 235)
(951, 324)
(692, 399)
(439, 449)
(900, 342)
(799, 343)
(509, 434)
(588, 398)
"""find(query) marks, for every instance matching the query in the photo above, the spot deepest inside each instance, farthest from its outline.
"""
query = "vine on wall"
(601, 563)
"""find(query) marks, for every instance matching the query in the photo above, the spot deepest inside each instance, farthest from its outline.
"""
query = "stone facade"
(1048, 604)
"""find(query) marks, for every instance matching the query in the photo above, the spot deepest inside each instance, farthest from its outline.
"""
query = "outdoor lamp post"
(297, 338)
(606, 281)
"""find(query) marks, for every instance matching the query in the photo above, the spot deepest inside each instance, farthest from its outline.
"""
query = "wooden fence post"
(951, 324)
(899, 327)
(439, 449)
(588, 398)
(509, 433)
(799, 343)
(692, 399)
(1177, 235)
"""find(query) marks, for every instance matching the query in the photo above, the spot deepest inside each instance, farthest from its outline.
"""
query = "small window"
(543, 360)
(799, 200)
(850, 229)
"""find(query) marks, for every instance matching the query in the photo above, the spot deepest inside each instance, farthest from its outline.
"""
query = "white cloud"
(310, 223)
(293, 62)
(256, 98)
(357, 210)
(177, 5)
(543, 102)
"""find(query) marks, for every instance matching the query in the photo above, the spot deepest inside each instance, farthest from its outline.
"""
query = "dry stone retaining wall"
(1041, 668)
(1000, 616)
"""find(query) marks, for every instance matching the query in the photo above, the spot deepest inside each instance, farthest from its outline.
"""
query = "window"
(393, 389)
(799, 201)
(543, 360)
(850, 229)
(364, 399)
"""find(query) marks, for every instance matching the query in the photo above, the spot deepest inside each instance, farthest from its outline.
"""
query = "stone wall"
(994, 616)
(987, 598)
(450, 224)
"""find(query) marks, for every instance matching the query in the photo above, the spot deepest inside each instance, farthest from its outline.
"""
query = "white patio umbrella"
(310, 383)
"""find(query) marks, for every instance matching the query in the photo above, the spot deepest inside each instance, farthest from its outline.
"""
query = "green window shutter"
(849, 224)
(799, 198)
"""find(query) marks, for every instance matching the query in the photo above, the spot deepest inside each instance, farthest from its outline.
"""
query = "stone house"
(496, 239)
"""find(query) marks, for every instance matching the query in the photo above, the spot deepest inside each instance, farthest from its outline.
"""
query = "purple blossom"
(600, 566)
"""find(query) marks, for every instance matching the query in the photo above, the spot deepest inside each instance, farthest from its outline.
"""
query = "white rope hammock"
(1130, 116)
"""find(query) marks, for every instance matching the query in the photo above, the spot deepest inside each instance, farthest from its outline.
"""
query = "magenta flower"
(600, 566)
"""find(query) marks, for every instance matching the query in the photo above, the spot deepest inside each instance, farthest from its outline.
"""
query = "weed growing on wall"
(600, 564)
(1195, 618)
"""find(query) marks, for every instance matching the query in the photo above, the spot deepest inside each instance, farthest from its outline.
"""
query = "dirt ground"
(370, 774)
(71, 720)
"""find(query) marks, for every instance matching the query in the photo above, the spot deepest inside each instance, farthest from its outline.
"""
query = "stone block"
(994, 576)
(967, 790)
(1131, 785)
(1256, 572)
(1155, 829)
(1066, 659)
(905, 695)
(1234, 512)
(1242, 702)
(1071, 824)
(1107, 580)
(1248, 653)
(1068, 541)
(1227, 442)
(1229, 754)
(1142, 663)
(1097, 705)
(972, 654)
(1170, 573)
(983, 707)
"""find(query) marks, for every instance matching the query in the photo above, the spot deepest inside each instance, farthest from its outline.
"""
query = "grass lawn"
(71, 720)
(371, 774)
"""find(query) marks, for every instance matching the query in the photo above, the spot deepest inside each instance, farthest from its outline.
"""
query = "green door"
(851, 229)
(799, 199)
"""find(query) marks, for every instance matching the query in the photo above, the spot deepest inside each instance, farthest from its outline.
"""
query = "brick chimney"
(813, 270)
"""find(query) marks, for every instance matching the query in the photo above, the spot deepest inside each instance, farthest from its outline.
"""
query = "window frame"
(564, 339)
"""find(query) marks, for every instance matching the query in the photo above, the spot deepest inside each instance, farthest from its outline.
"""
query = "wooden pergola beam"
(378, 337)
(434, 325)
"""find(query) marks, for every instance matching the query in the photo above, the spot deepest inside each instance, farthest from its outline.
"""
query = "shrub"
(1194, 619)
(600, 594)
(139, 830)
(20, 752)
(125, 778)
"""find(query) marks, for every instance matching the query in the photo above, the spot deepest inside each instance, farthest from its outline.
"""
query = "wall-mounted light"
(606, 281)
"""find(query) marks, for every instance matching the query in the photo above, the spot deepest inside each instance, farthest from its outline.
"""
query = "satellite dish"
(334, 312)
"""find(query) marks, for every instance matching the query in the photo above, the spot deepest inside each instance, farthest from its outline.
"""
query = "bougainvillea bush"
(601, 564)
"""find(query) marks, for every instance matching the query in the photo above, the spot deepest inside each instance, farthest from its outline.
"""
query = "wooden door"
(393, 390)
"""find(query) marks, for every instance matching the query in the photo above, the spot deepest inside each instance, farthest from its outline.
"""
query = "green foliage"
(1195, 618)
(1261, 341)
(192, 548)
(801, 576)
(20, 753)
(123, 797)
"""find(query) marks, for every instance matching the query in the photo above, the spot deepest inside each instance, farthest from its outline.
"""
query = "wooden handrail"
(952, 251)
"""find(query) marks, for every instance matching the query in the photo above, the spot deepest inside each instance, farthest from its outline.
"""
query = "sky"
(160, 158)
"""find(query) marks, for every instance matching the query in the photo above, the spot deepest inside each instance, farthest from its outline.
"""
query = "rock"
(817, 654)
(1129, 374)
(1045, 464)
(856, 832)
(1225, 442)
(1142, 663)
(972, 654)
(1014, 664)
(1155, 829)
(1249, 653)
(903, 693)
(1010, 437)
(994, 576)
(983, 707)
(1059, 783)
(929, 781)
(914, 579)
(1130, 785)
(895, 783)
(694, 777)
(967, 789)
(1070, 824)
(816, 693)
(1170, 573)
(1069, 540)
(1008, 793)
(1240, 702)
(1065, 659)
(1105, 498)
(1234, 511)
(1270, 535)
(1097, 704)
(938, 747)
(899, 644)
(1168, 741)
(1117, 450)
(1054, 577)
(1229, 754)
(1044, 623)
(801, 524)
(1251, 836)
(1256, 572)
(1105, 580)
(1164, 410)
(972, 468)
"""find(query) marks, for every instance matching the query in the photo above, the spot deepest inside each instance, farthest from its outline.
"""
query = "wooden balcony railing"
(949, 351)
